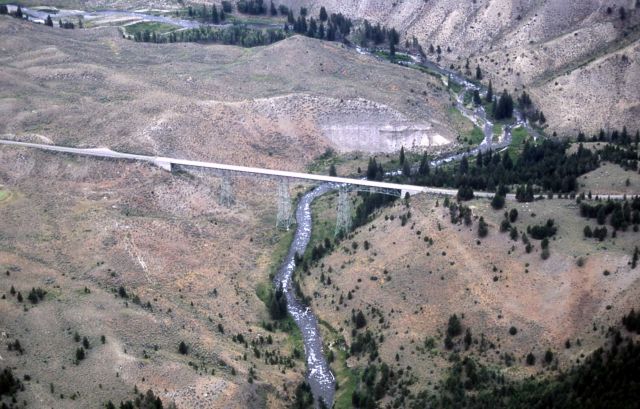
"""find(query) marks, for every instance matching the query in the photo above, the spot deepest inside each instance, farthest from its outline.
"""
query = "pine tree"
(476, 97)
(490, 92)
(215, 18)
(482, 228)
(80, 354)
(424, 170)
(478, 73)
(48, 21)
(273, 10)
(360, 320)
(402, 155)
(454, 326)
(323, 14)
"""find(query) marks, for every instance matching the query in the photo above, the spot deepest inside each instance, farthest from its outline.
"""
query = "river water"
(319, 375)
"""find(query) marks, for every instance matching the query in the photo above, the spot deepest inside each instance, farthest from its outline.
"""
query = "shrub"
(183, 348)
(545, 254)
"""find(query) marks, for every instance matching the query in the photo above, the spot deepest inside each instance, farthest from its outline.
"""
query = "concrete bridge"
(284, 216)
(168, 163)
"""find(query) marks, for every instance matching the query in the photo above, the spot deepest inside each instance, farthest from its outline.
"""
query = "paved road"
(166, 163)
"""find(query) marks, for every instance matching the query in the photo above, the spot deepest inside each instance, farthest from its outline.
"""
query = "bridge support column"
(225, 193)
(343, 219)
(283, 219)
(163, 164)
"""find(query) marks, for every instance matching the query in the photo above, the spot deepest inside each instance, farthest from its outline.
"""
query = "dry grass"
(267, 106)
(75, 223)
(548, 301)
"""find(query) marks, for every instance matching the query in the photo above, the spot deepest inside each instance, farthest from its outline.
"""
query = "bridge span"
(167, 164)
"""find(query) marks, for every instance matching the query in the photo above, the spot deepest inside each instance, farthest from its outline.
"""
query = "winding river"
(319, 375)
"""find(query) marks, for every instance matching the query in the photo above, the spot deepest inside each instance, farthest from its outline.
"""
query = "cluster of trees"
(36, 295)
(546, 165)
(607, 379)
(234, 35)
(599, 233)
(621, 214)
(502, 107)
(380, 35)
(303, 397)
(205, 15)
(334, 27)
(459, 212)
(277, 303)
(364, 343)
(254, 7)
(9, 384)
(374, 383)
(142, 401)
(370, 203)
(542, 231)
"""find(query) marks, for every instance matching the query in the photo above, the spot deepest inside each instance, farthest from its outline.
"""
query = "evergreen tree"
(360, 320)
(215, 18)
(454, 326)
(273, 10)
(478, 73)
(490, 92)
(423, 169)
(80, 354)
(48, 21)
(402, 155)
(482, 227)
(323, 14)
(476, 97)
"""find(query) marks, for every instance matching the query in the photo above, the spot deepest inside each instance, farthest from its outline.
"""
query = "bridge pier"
(283, 219)
(225, 192)
(343, 218)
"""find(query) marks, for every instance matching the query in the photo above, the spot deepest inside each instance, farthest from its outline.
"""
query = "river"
(319, 375)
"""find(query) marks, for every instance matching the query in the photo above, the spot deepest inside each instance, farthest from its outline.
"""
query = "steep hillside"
(290, 100)
(520, 43)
